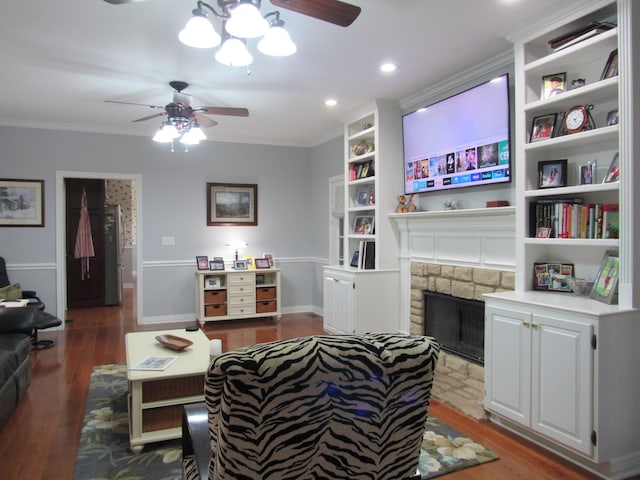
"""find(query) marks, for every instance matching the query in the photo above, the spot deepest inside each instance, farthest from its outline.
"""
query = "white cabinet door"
(338, 303)
(508, 364)
(562, 374)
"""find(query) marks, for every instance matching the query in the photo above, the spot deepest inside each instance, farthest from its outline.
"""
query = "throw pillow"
(11, 292)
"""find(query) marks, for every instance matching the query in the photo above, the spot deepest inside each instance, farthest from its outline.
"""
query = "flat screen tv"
(461, 141)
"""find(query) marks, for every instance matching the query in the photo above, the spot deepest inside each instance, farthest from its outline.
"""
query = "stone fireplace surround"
(463, 253)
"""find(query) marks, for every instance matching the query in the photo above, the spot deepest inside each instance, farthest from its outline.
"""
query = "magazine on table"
(155, 362)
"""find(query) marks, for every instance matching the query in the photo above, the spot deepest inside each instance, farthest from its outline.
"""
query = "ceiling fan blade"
(138, 104)
(332, 11)
(155, 115)
(229, 111)
(205, 122)
(123, 2)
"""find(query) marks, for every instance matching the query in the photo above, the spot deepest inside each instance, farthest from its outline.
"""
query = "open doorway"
(119, 189)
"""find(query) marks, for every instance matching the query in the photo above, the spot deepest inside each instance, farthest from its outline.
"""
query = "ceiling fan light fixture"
(170, 131)
(199, 32)
(197, 133)
(246, 21)
(161, 137)
(234, 53)
(277, 41)
(189, 139)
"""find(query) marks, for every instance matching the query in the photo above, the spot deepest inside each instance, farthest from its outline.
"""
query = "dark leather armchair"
(41, 319)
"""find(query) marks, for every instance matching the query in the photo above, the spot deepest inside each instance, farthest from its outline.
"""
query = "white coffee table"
(156, 398)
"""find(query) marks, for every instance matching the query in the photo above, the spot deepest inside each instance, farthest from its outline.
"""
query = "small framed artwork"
(22, 203)
(203, 262)
(212, 282)
(271, 258)
(552, 173)
(543, 232)
(543, 127)
(613, 174)
(262, 263)
(611, 68)
(612, 117)
(606, 285)
(363, 225)
(250, 262)
(552, 276)
(240, 265)
(586, 173)
(232, 204)
(363, 198)
(216, 265)
(553, 84)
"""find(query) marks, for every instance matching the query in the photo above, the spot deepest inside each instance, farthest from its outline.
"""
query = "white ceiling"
(61, 59)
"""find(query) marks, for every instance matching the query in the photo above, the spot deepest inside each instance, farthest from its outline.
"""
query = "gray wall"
(292, 209)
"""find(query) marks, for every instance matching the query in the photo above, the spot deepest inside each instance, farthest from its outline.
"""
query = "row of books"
(571, 218)
(360, 170)
(579, 34)
(365, 257)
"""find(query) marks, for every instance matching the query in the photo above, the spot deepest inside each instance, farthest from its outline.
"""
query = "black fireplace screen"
(456, 323)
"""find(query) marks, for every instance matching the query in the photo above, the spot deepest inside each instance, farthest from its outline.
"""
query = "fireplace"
(457, 323)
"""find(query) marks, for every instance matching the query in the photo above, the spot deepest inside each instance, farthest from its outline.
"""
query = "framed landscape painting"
(232, 204)
(21, 203)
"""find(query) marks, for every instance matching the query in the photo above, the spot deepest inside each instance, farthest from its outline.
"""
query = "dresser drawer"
(266, 306)
(241, 279)
(242, 309)
(265, 293)
(243, 299)
(215, 296)
(215, 310)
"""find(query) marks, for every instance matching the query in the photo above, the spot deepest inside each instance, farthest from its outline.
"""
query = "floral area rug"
(104, 452)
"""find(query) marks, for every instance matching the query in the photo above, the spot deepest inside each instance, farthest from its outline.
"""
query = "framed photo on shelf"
(363, 225)
(587, 173)
(240, 265)
(203, 262)
(611, 68)
(543, 127)
(363, 197)
(262, 263)
(355, 259)
(232, 204)
(553, 84)
(271, 258)
(23, 203)
(613, 174)
(605, 288)
(552, 276)
(612, 117)
(552, 173)
(212, 282)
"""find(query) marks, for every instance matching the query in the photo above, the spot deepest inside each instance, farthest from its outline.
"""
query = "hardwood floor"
(40, 440)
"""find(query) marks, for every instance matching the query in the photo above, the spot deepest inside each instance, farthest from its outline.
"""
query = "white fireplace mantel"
(478, 237)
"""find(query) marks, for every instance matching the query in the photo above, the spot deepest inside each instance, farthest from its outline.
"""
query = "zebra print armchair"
(320, 407)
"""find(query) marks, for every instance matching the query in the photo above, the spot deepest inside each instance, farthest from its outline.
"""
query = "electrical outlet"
(167, 241)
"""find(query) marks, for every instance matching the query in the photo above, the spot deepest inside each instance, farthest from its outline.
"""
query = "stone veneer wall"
(457, 382)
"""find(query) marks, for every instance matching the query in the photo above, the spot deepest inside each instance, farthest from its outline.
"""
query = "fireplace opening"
(457, 324)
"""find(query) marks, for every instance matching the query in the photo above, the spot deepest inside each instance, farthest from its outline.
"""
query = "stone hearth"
(458, 382)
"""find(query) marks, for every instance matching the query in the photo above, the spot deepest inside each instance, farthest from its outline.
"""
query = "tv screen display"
(461, 141)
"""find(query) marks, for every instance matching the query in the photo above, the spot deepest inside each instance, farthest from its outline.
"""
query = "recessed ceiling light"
(388, 67)
(331, 102)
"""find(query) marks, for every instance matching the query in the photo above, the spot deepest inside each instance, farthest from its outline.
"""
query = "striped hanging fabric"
(84, 240)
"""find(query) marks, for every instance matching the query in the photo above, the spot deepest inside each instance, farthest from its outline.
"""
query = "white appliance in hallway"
(113, 246)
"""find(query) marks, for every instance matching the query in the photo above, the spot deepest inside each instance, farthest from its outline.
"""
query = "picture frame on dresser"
(262, 263)
(216, 265)
(202, 261)
(605, 287)
(240, 265)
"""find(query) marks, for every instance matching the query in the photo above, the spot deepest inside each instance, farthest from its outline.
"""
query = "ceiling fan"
(181, 119)
(332, 11)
